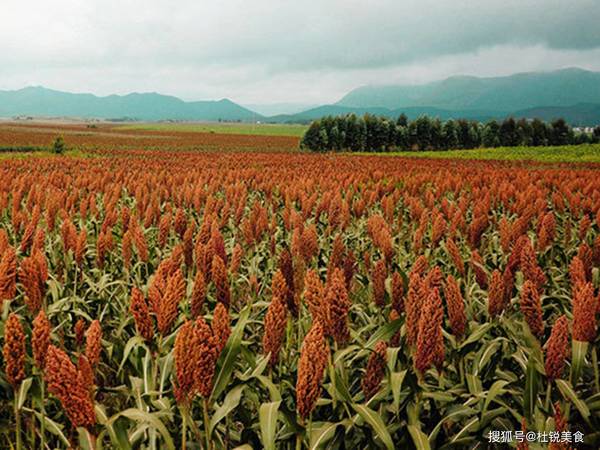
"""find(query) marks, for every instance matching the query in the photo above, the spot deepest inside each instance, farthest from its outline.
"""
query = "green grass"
(589, 153)
(223, 128)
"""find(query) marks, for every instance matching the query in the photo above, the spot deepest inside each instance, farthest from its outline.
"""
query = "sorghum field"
(157, 296)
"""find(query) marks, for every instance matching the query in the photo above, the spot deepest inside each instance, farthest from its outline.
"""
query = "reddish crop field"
(109, 138)
(156, 296)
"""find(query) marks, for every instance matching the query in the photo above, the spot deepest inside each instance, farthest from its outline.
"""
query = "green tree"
(59, 147)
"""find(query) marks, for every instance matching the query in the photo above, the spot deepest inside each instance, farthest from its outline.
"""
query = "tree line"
(379, 134)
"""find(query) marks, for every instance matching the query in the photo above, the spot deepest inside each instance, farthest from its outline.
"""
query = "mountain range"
(570, 93)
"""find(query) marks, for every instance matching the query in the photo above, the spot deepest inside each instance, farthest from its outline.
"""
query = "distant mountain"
(411, 112)
(39, 101)
(273, 109)
(582, 114)
(511, 93)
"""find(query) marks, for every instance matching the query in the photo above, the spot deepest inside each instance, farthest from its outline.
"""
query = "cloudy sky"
(284, 51)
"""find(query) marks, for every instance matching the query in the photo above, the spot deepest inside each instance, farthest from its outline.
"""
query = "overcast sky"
(284, 51)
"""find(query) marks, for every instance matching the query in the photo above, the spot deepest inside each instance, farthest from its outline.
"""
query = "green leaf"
(580, 349)
(340, 388)
(271, 387)
(131, 344)
(146, 417)
(471, 425)
(86, 440)
(568, 393)
(376, 423)
(419, 438)
(230, 352)
(477, 334)
(267, 416)
(531, 389)
(52, 427)
(396, 380)
(232, 400)
(23, 390)
(496, 389)
(322, 434)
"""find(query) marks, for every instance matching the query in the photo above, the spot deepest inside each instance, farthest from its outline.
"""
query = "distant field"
(222, 128)
(568, 153)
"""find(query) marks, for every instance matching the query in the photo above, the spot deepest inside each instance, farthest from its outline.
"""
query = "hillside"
(565, 87)
(39, 101)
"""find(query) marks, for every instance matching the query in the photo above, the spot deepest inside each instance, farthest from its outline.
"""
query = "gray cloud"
(308, 51)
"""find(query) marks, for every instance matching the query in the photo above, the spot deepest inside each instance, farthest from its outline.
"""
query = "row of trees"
(376, 134)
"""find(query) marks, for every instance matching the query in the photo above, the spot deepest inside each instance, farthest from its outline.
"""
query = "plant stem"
(18, 421)
(183, 428)
(206, 424)
(43, 412)
(595, 366)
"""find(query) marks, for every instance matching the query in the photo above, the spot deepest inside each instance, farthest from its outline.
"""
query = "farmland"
(223, 128)
(175, 289)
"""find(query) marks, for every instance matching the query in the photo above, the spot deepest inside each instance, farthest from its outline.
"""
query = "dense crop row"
(202, 300)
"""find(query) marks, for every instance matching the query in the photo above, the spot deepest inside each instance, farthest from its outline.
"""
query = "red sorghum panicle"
(31, 277)
(420, 266)
(86, 372)
(79, 330)
(93, 343)
(529, 266)
(584, 312)
(311, 366)
(585, 254)
(80, 247)
(477, 266)
(275, 320)
(169, 303)
(14, 350)
(456, 307)
(164, 227)
(339, 306)
(236, 259)
(40, 339)
(547, 231)
(138, 307)
(287, 270)
(221, 280)
(67, 384)
(221, 326)
(184, 363)
(205, 349)
(198, 295)
(430, 341)
(455, 255)
(560, 426)
(378, 277)
(414, 301)
(375, 370)
(496, 294)
(397, 292)
(531, 307)
(557, 348)
(314, 296)
(8, 275)
(577, 271)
